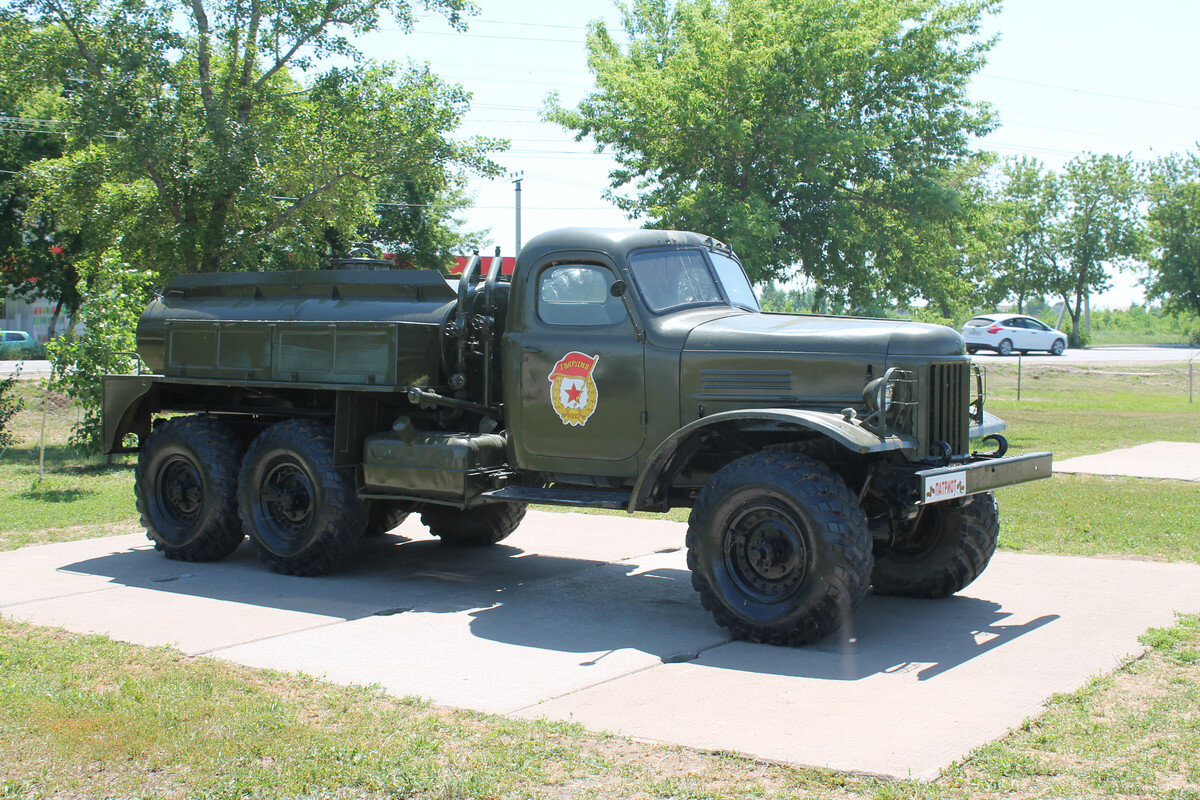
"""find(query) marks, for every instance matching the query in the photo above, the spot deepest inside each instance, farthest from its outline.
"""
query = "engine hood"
(794, 333)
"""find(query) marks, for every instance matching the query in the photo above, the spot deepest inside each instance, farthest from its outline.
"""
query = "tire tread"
(342, 530)
(835, 510)
(977, 526)
(219, 448)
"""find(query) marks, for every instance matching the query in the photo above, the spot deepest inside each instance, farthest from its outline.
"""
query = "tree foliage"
(1099, 228)
(190, 144)
(114, 295)
(1173, 227)
(828, 135)
(1025, 210)
(34, 261)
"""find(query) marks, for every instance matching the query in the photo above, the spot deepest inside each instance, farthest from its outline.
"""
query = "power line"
(1089, 92)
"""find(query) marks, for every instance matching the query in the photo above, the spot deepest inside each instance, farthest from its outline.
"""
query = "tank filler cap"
(361, 257)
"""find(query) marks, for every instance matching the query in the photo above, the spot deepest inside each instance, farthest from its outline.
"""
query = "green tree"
(1173, 227)
(1100, 227)
(828, 136)
(114, 295)
(421, 226)
(190, 145)
(35, 261)
(1026, 208)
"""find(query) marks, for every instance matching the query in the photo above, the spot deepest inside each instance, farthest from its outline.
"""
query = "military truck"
(820, 456)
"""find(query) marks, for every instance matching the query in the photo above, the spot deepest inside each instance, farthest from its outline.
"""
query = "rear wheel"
(778, 548)
(186, 488)
(950, 546)
(1005, 347)
(301, 512)
(473, 527)
(386, 515)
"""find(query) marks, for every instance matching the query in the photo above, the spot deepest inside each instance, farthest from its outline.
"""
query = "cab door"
(581, 400)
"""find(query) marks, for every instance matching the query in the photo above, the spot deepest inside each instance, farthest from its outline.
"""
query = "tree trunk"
(54, 320)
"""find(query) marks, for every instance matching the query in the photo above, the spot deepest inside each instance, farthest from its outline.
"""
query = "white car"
(1005, 333)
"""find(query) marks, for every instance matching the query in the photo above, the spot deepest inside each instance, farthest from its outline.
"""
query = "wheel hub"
(287, 498)
(766, 552)
(181, 491)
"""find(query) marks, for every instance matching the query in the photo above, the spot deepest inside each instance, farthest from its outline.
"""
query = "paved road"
(29, 369)
(1154, 354)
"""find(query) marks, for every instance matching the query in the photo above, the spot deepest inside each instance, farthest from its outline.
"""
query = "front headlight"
(879, 394)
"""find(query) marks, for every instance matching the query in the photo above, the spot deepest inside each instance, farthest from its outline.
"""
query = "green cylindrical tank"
(358, 327)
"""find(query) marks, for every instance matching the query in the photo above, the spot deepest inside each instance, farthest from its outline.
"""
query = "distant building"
(32, 316)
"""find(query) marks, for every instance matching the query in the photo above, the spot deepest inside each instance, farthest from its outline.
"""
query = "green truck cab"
(821, 456)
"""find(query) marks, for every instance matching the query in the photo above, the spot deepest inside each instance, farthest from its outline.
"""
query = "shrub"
(9, 406)
(114, 295)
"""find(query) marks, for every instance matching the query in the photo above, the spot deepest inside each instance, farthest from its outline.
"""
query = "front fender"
(850, 434)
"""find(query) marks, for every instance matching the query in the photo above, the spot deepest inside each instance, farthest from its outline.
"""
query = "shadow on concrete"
(390, 575)
(582, 606)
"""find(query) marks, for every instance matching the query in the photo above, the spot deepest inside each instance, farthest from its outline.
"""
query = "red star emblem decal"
(573, 393)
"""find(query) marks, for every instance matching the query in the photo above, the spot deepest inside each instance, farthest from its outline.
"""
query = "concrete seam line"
(59, 597)
(213, 650)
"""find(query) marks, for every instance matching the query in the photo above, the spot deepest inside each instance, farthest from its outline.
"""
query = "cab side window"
(577, 294)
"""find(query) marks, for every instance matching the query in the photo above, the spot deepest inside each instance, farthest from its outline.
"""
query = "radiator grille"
(949, 389)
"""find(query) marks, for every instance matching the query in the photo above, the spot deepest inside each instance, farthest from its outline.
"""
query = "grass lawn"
(77, 498)
(84, 716)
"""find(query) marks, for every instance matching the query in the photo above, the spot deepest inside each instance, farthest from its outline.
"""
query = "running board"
(581, 498)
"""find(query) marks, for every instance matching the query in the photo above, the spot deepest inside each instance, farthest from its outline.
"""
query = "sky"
(1065, 77)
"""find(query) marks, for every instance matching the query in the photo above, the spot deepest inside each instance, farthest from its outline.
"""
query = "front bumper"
(981, 475)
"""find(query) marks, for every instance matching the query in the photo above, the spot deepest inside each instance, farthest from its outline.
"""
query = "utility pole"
(517, 177)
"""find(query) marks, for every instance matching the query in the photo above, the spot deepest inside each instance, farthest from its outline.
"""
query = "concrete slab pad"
(593, 618)
(509, 649)
(913, 685)
(1167, 460)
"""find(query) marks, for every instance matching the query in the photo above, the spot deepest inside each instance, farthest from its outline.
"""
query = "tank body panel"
(338, 327)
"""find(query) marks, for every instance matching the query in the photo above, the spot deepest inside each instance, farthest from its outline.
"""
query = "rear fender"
(673, 453)
(127, 409)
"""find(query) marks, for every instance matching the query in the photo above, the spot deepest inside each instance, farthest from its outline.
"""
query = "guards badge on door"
(572, 391)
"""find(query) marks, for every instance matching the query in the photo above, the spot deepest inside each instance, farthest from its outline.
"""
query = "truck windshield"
(670, 279)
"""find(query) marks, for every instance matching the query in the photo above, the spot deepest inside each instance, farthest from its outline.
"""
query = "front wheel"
(301, 512)
(1058, 348)
(778, 548)
(950, 546)
(1005, 348)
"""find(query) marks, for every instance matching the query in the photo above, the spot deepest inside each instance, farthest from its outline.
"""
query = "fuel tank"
(355, 327)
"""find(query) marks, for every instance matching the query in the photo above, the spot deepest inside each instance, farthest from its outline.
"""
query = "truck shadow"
(585, 606)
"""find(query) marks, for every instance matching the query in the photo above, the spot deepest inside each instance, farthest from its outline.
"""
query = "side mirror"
(618, 289)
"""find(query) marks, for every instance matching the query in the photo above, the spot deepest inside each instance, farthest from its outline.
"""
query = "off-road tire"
(778, 548)
(1058, 348)
(300, 511)
(955, 541)
(185, 486)
(385, 515)
(1005, 347)
(474, 527)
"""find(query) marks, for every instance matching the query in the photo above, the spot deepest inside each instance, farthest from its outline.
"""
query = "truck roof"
(617, 242)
